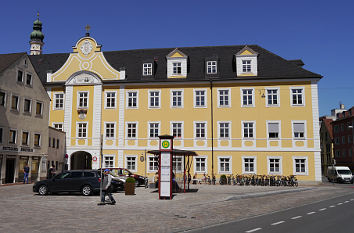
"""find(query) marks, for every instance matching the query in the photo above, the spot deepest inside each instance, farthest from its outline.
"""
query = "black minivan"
(85, 181)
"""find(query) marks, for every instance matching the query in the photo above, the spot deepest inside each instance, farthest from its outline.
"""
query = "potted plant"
(223, 179)
(129, 186)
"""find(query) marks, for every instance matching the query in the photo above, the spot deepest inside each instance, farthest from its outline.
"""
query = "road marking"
(296, 217)
(277, 223)
(322, 209)
(309, 213)
(346, 201)
(340, 203)
(253, 230)
(331, 206)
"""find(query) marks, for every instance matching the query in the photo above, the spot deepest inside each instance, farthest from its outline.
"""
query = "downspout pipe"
(212, 127)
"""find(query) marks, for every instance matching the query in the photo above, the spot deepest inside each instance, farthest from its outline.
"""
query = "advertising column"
(165, 167)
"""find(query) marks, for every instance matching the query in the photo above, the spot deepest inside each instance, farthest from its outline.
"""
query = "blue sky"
(321, 33)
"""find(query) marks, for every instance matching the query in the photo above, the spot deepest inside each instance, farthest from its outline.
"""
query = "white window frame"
(77, 129)
(277, 94)
(279, 130)
(18, 102)
(195, 98)
(229, 129)
(244, 165)
(78, 99)
(58, 123)
(23, 74)
(42, 104)
(105, 160)
(28, 138)
(175, 65)
(291, 96)
(293, 131)
(172, 96)
(280, 165)
(212, 64)
(219, 164)
(56, 99)
(30, 107)
(114, 130)
(182, 127)
(246, 65)
(1, 135)
(147, 69)
(31, 83)
(243, 130)
(253, 100)
(34, 140)
(195, 164)
(152, 157)
(228, 98)
(158, 98)
(136, 162)
(158, 129)
(16, 136)
(106, 93)
(306, 165)
(181, 163)
(205, 130)
(5, 98)
(131, 97)
(126, 130)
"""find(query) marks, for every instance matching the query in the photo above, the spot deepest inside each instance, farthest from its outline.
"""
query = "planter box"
(129, 188)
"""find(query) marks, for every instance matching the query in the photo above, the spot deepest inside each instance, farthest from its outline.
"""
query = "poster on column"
(165, 172)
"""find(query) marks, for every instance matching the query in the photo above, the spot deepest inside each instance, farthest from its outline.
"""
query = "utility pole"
(101, 165)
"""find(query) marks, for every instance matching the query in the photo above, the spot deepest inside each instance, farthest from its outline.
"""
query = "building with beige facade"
(24, 115)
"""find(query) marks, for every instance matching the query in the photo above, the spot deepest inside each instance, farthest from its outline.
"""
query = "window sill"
(27, 113)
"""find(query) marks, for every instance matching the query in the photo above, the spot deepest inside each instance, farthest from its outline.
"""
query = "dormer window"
(246, 62)
(177, 68)
(246, 66)
(176, 64)
(147, 69)
(212, 67)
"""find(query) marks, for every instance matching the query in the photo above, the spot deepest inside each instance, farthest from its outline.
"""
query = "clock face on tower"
(86, 47)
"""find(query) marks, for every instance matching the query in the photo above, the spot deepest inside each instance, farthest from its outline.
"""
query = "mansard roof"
(270, 66)
(7, 60)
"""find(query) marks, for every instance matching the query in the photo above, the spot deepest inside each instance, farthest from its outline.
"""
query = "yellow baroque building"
(242, 109)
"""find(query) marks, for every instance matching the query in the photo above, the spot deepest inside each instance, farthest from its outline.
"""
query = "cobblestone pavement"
(23, 211)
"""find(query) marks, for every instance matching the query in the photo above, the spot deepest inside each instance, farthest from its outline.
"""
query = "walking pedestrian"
(51, 172)
(25, 173)
(107, 188)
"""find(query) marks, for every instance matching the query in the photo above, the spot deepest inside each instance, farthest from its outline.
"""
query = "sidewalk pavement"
(144, 212)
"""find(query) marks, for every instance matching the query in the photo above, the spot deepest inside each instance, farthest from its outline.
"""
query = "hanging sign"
(166, 144)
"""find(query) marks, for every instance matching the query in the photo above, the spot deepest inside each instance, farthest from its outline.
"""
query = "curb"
(262, 194)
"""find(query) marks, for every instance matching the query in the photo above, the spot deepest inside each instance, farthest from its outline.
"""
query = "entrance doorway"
(81, 160)
(10, 170)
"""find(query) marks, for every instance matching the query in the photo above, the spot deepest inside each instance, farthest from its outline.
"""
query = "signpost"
(165, 167)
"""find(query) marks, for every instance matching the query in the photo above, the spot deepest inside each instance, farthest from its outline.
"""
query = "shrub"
(223, 179)
(130, 180)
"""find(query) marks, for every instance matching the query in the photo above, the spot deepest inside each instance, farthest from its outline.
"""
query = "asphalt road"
(331, 215)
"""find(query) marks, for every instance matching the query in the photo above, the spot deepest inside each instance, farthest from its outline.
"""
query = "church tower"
(37, 37)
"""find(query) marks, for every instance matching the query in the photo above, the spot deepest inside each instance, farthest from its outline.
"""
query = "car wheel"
(136, 183)
(43, 190)
(86, 190)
